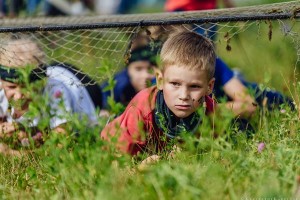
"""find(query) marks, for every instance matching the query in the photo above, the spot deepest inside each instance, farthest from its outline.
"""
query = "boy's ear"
(159, 78)
(211, 84)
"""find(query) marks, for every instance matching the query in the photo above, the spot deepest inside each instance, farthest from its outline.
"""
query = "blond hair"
(21, 52)
(190, 50)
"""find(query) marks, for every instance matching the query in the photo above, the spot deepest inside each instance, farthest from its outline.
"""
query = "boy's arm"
(61, 129)
(7, 151)
(60, 103)
(13, 129)
(105, 95)
(242, 103)
(7, 129)
(128, 131)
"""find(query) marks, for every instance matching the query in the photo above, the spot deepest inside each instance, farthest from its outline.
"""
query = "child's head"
(187, 71)
(20, 52)
(161, 32)
(17, 54)
(140, 66)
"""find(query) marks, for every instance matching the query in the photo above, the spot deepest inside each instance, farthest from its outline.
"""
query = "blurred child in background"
(138, 74)
(63, 93)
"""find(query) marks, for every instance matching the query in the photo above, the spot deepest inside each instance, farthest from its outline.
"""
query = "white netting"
(86, 42)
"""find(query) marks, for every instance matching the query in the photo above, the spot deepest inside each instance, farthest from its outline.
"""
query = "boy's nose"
(184, 94)
(148, 76)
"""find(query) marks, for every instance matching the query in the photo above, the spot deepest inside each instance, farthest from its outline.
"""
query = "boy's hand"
(7, 151)
(104, 113)
(7, 129)
(148, 161)
(155, 158)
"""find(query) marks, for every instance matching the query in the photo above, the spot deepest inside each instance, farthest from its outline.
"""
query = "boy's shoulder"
(122, 81)
(145, 99)
(210, 104)
(122, 78)
(123, 74)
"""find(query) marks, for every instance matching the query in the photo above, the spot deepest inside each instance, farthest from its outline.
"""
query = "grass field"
(232, 166)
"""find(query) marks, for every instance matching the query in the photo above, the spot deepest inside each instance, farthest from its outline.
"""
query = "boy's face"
(184, 89)
(140, 73)
(15, 95)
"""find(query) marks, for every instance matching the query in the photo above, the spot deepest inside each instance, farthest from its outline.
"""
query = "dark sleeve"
(122, 81)
(105, 95)
(222, 75)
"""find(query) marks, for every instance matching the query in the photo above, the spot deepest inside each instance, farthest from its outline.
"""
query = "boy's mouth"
(183, 107)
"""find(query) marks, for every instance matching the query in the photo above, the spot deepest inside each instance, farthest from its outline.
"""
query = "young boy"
(61, 87)
(162, 112)
(138, 74)
(242, 97)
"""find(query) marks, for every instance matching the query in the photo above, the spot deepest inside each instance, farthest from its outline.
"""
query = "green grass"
(215, 169)
(271, 61)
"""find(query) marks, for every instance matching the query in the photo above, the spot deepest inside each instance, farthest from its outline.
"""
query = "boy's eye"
(139, 69)
(12, 87)
(195, 86)
(175, 83)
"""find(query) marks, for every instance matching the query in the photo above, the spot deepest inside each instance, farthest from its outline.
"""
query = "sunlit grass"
(231, 166)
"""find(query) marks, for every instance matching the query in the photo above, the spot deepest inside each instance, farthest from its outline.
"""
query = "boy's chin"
(140, 87)
(182, 114)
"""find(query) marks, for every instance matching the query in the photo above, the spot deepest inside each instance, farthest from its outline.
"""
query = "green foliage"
(224, 163)
(106, 70)
(78, 167)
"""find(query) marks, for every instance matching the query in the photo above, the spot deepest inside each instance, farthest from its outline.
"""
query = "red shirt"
(135, 129)
(188, 5)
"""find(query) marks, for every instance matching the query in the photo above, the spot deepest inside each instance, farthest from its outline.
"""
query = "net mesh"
(86, 42)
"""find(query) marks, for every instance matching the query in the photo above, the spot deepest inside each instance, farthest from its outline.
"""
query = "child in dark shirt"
(138, 74)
